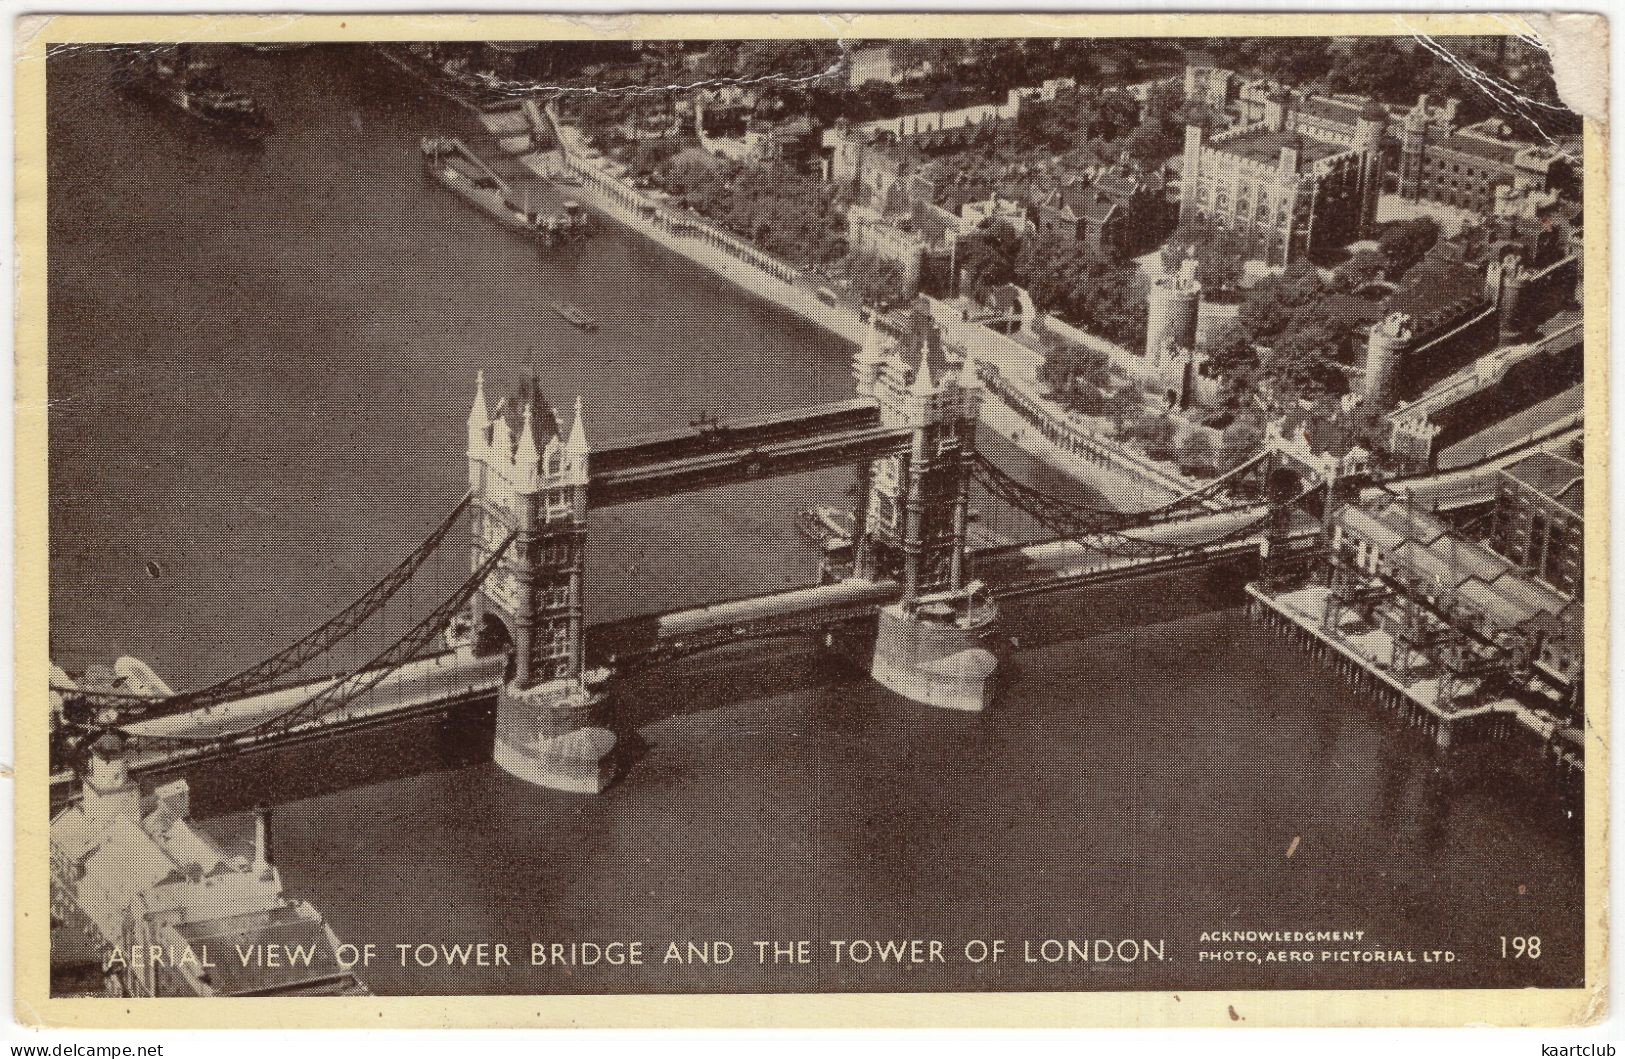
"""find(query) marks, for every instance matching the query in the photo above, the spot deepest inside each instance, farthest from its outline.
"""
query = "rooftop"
(1432, 551)
(1342, 110)
(1265, 145)
(1327, 429)
(1491, 139)
(1551, 476)
(544, 419)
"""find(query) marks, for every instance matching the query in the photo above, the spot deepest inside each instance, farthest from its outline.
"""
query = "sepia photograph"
(704, 513)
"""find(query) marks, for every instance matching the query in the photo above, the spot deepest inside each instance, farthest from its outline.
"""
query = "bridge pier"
(938, 655)
(546, 735)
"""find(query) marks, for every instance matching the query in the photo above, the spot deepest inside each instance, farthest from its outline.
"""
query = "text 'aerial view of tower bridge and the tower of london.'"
(741, 516)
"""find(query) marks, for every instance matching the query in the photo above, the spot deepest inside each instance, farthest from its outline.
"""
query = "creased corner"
(1578, 44)
(28, 27)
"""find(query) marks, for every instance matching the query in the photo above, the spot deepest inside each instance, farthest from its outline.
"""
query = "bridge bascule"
(911, 432)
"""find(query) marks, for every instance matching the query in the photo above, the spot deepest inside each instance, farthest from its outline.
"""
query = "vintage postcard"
(919, 520)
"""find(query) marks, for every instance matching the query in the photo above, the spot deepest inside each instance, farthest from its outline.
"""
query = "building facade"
(1465, 167)
(1429, 153)
(1115, 211)
(1539, 520)
(1286, 194)
(134, 876)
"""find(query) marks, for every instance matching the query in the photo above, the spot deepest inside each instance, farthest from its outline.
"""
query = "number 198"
(1520, 948)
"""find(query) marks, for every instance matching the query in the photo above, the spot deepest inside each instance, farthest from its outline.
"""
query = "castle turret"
(1384, 347)
(1368, 131)
(1195, 140)
(1172, 305)
(1291, 155)
(577, 450)
(1412, 148)
(536, 491)
(932, 644)
(923, 386)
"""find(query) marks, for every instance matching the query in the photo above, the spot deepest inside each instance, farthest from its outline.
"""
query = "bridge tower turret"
(931, 646)
(534, 485)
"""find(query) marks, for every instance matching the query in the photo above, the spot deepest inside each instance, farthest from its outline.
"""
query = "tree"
(1301, 364)
(1196, 112)
(1272, 303)
(694, 174)
(1240, 442)
(1118, 114)
(989, 255)
(1232, 358)
(1196, 452)
(1361, 268)
(1367, 67)
(1074, 57)
(1404, 243)
(781, 210)
(1124, 405)
(1221, 257)
(788, 60)
(647, 157)
(1077, 375)
(1067, 279)
(1292, 60)
(1151, 145)
(878, 280)
(1154, 433)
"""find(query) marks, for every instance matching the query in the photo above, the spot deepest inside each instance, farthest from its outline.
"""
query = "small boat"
(569, 226)
(575, 317)
(195, 86)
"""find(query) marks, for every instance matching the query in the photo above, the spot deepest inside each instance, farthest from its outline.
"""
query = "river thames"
(261, 359)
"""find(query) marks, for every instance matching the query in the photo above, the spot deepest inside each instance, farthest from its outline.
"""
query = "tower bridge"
(515, 625)
(912, 435)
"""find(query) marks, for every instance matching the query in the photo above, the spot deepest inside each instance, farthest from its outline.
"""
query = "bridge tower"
(533, 483)
(931, 646)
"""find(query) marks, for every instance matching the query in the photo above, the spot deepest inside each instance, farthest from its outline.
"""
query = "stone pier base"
(937, 660)
(547, 735)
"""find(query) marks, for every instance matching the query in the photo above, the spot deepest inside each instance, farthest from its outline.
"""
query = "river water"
(260, 363)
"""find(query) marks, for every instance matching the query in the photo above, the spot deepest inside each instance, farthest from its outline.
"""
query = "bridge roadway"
(457, 677)
(715, 453)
